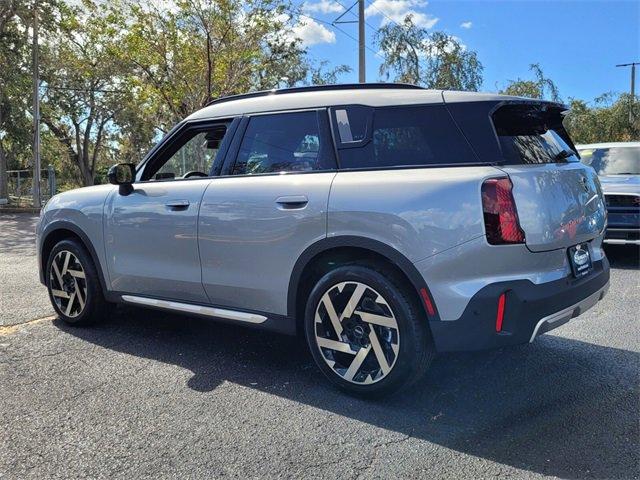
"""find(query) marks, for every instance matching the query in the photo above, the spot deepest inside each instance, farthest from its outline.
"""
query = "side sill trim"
(195, 309)
(570, 312)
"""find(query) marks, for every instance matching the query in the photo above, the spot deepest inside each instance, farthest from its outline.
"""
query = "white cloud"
(466, 25)
(313, 33)
(397, 10)
(323, 6)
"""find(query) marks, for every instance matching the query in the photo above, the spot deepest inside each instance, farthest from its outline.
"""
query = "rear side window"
(532, 134)
(285, 142)
(398, 136)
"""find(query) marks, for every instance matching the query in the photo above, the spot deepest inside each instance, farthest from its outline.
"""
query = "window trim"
(326, 143)
(174, 140)
(368, 134)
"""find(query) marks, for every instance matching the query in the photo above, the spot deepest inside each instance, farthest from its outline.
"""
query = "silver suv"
(384, 222)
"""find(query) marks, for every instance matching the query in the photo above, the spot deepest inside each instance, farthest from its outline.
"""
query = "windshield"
(612, 161)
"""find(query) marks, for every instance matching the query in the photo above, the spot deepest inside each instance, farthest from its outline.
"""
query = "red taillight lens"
(500, 215)
(500, 314)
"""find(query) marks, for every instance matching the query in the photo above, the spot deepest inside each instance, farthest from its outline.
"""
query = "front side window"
(193, 154)
(399, 137)
(284, 142)
(195, 157)
(613, 160)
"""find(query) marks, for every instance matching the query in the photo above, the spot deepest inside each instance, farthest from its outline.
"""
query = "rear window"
(398, 136)
(532, 134)
(613, 161)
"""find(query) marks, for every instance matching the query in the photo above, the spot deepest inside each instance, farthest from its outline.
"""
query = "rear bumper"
(530, 310)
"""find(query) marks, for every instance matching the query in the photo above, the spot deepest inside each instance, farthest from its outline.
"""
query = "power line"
(341, 31)
(86, 90)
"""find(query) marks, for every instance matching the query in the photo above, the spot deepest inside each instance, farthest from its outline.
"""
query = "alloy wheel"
(356, 332)
(68, 283)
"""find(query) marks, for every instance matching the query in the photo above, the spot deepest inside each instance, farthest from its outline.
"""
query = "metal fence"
(20, 185)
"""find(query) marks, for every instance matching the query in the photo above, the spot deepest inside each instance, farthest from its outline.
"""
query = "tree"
(83, 86)
(182, 57)
(540, 87)
(15, 84)
(608, 120)
(434, 60)
(320, 75)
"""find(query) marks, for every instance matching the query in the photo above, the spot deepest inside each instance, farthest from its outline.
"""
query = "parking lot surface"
(152, 395)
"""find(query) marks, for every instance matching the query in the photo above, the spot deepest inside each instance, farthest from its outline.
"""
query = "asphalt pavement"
(153, 395)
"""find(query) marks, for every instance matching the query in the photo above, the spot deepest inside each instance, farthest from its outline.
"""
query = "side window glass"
(195, 157)
(408, 136)
(286, 142)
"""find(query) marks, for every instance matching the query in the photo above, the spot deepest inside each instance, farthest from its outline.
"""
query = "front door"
(151, 233)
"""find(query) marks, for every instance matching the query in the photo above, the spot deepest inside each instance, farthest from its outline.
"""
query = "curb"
(19, 210)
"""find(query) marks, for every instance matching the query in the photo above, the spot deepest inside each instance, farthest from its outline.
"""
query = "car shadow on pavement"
(557, 407)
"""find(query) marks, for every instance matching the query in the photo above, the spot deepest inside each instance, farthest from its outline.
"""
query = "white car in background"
(618, 167)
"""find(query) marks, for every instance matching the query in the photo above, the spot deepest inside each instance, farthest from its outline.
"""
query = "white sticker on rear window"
(343, 126)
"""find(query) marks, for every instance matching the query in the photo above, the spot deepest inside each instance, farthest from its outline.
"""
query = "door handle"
(292, 202)
(178, 204)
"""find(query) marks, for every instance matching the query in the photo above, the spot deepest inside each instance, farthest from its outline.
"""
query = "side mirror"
(122, 174)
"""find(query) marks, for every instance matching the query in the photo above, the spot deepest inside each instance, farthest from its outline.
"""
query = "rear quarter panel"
(419, 211)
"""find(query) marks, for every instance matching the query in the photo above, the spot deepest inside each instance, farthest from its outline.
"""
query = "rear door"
(558, 199)
(269, 205)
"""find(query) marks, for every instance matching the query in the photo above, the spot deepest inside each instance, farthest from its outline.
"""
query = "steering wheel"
(194, 173)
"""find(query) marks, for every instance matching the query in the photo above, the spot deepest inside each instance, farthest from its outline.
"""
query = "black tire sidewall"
(413, 338)
(94, 300)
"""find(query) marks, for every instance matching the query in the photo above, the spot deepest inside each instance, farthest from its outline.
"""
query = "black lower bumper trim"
(526, 304)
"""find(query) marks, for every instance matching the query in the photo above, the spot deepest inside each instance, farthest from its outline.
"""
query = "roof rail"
(316, 88)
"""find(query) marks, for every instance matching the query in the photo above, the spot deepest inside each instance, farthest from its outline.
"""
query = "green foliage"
(117, 75)
(319, 75)
(434, 60)
(610, 119)
(540, 87)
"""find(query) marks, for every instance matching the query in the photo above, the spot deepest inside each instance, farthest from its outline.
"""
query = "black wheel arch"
(380, 249)
(61, 230)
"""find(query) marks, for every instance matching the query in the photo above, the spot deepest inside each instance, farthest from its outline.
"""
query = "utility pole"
(633, 86)
(362, 77)
(36, 111)
(362, 41)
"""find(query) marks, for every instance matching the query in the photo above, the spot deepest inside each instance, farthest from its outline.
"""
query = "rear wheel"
(73, 283)
(366, 333)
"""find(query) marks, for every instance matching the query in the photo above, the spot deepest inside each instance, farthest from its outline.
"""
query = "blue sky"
(577, 43)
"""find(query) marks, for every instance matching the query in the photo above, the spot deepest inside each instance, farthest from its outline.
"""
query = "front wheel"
(366, 332)
(73, 283)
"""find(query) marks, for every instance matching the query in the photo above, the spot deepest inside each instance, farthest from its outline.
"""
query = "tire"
(385, 344)
(73, 283)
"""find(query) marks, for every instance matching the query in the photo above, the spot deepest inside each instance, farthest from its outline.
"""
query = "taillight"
(500, 215)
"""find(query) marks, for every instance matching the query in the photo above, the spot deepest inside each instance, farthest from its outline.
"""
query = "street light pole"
(36, 111)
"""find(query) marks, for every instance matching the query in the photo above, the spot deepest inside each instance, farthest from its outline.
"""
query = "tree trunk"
(4, 191)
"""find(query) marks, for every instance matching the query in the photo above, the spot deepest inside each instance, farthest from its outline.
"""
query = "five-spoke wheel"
(68, 283)
(365, 330)
(357, 332)
(73, 283)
